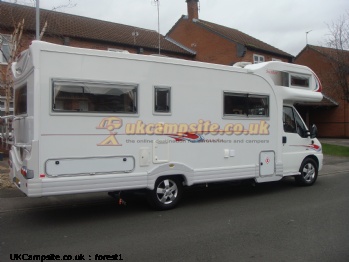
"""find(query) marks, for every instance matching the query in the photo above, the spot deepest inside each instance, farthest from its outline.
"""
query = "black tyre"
(309, 172)
(166, 193)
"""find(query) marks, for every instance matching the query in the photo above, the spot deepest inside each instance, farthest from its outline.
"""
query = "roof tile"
(332, 53)
(240, 37)
(67, 25)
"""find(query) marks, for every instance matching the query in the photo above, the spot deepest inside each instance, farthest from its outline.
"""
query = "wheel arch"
(177, 170)
(314, 158)
(180, 177)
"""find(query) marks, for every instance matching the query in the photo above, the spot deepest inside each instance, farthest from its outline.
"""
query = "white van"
(93, 121)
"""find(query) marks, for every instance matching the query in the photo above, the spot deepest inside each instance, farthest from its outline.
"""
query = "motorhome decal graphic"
(192, 132)
(110, 123)
(314, 147)
(191, 137)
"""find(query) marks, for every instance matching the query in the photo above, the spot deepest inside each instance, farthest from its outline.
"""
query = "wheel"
(166, 193)
(309, 173)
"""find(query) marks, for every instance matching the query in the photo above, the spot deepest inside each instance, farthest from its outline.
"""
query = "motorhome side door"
(295, 140)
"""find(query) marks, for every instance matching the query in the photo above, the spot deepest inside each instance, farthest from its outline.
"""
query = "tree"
(13, 44)
(338, 40)
(13, 48)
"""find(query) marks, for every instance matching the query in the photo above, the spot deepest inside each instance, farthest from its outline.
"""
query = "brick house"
(86, 32)
(331, 115)
(214, 43)
(77, 31)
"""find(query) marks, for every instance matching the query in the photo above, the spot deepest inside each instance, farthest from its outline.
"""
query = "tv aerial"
(157, 4)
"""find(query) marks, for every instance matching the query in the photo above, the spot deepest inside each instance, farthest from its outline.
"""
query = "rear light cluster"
(24, 171)
(27, 173)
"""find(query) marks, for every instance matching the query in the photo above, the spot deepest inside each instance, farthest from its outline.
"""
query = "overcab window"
(94, 97)
(249, 105)
(300, 80)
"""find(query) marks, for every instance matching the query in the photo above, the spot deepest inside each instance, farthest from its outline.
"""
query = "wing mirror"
(313, 131)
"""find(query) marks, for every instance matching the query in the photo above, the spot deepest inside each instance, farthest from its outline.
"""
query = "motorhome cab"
(94, 121)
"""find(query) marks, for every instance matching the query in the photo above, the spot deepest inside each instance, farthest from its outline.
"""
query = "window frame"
(5, 41)
(299, 125)
(300, 77)
(258, 58)
(17, 93)
(160, 87)
(247, 108)
(93, 84)
(116, 50)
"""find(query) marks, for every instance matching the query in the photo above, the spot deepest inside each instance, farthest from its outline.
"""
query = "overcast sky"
(280, 23)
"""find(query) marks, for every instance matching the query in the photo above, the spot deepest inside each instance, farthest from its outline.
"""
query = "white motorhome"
(93, 121)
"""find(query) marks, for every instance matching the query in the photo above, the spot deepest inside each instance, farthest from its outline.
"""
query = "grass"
(335, 150)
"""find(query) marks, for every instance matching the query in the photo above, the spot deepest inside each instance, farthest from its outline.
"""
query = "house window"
(94, 97)
(118, 50)
(162, 99)
(276, 59)
(248, 105)
(258, 59)
(5, 44)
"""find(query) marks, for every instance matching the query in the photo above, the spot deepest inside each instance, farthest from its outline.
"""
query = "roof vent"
(241, 64)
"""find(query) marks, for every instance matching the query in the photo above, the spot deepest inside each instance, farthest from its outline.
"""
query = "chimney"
(193, 9)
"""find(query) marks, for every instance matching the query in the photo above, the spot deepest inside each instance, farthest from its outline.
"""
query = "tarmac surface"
(313, 226)
(335, 141)
(335, 164)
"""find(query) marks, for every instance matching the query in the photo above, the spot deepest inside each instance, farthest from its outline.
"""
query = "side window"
(293, 122)
(94, 97)
(258, 105)
(162, 99)
(288, 119)
(21, 100)
(235, 104)
(301, 128)
(248, 105)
